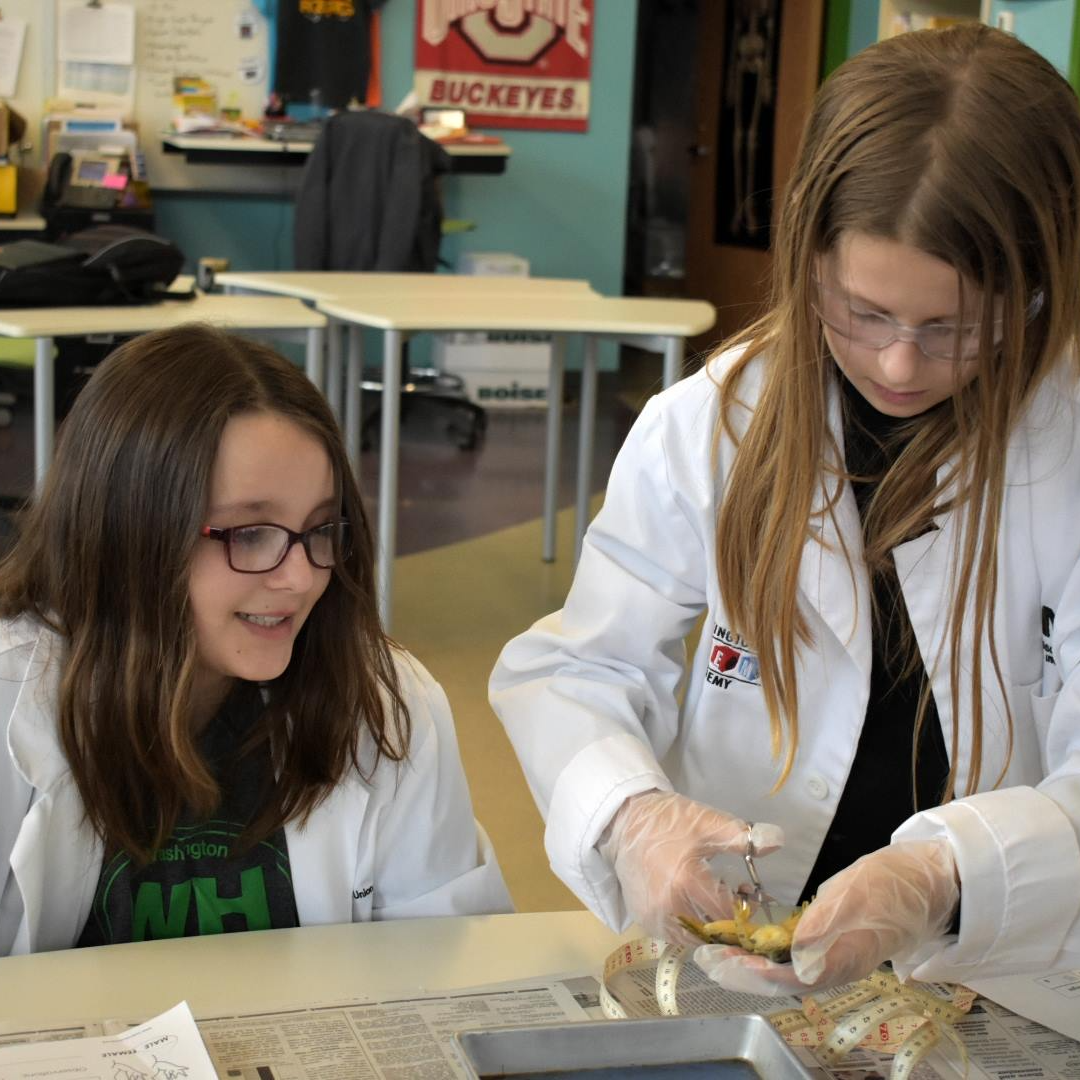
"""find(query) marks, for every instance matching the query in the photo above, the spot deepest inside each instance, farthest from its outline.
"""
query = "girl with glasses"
(861, 518)
(205, 728)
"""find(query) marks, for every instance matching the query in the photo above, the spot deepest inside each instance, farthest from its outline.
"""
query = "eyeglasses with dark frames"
(949, 342)
(262, 547)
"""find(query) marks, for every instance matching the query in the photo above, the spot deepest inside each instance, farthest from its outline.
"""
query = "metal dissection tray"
(721, 1047)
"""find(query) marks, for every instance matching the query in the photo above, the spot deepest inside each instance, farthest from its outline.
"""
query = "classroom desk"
(482, 158)
(273, 969)
(254, 313)
(316, 285)
(25, 225)
(652, 324)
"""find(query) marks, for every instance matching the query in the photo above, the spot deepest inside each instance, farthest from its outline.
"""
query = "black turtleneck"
(879, 793)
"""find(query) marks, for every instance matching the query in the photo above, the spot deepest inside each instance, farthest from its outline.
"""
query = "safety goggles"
(951, 342)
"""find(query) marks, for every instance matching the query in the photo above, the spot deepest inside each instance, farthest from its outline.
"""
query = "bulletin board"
(200, 37)
(224, 42)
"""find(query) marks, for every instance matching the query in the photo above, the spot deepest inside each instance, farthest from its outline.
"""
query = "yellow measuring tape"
(878, 1012)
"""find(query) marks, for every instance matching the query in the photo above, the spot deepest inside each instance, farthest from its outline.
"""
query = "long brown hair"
(964, 143)
(103, 557)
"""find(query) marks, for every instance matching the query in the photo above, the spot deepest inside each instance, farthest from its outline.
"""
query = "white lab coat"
(590, 696)
(403, 845)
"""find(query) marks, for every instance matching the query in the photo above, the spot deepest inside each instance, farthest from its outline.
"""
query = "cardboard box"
(499, 370)
(498, 374)
(492, 263)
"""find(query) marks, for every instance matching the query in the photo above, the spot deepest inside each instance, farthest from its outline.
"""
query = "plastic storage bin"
(498, 370)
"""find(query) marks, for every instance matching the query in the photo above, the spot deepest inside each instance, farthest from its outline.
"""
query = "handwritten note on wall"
(175, 38)
(204, 38)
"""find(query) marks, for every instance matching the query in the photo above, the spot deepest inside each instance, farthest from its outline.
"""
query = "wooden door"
(758, 66)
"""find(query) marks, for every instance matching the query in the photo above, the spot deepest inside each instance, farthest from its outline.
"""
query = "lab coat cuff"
(592, 787)
(1017, 857)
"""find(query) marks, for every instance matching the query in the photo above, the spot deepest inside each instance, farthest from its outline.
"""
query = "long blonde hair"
(965, 144)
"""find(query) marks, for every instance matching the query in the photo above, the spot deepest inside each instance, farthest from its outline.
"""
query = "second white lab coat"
(600, 702)
(403, 845)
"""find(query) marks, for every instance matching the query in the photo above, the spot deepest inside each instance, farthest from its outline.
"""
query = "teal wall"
(1045, 25)
(254, 232)
(862, 24)
(561, 202)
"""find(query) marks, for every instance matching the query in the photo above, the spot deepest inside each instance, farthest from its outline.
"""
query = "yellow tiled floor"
(454, 608)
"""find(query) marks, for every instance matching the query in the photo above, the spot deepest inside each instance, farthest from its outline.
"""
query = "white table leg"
(554, 436)
(585, 442)
(44, 403)
(313, 359)
(393, 343)
(333, 367)
(674, 348)
(353, 376)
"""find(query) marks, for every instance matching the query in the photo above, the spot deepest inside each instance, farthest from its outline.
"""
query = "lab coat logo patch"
(730, 660)
(1047, 630)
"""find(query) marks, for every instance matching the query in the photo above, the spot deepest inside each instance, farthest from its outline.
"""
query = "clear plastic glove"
(881, 906)
(660, 843)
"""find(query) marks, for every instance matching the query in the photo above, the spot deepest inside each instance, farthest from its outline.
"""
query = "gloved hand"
(881, 906)
(659, 844)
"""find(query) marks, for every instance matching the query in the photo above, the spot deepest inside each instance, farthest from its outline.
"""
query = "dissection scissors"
(754, 891)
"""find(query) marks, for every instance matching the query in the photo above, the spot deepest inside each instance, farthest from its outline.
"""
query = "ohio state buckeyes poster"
(507, 63)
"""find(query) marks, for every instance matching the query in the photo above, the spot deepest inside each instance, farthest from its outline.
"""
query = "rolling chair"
(368, 200)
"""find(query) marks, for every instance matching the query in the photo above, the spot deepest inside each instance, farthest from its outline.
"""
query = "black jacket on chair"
(368, 198)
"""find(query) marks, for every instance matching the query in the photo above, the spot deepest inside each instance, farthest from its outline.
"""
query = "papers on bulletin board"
(95, 52)
(12, 35)
(96, 35)
(169, 1047)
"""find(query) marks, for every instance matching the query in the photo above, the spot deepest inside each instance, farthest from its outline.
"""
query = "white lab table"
(266, 314)
(653, 324)
(27, 222)
(314, 285)
(273, 969)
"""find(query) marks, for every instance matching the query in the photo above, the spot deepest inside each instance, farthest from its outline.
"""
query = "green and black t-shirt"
(194, 884)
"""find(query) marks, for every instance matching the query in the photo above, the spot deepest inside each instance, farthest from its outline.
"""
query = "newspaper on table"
(1052, 999)
(1000, 1044)
(168, 1047)
(407, 1038)
(411, 1038)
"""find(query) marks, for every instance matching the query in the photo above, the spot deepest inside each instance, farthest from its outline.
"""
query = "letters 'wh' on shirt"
(193, 885)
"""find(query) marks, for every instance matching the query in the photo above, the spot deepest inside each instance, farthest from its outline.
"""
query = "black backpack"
(108, 264)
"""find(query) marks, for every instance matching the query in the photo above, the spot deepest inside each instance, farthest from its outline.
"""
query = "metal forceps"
(754, 891)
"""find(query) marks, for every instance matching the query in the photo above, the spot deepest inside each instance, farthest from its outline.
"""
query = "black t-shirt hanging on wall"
(324, 46)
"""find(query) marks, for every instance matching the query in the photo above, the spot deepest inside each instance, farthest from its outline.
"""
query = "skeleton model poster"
(507, 63)
(744, 172)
